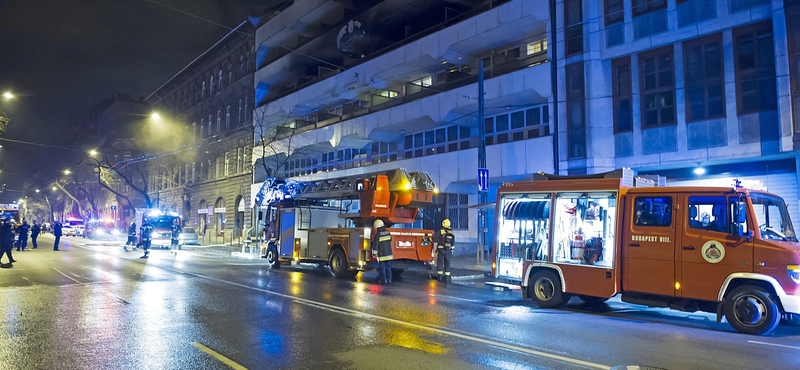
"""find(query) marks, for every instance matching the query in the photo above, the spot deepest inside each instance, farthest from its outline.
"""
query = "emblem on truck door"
(713, 251)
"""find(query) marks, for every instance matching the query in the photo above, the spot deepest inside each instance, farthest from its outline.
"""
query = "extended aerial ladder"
(329, 221)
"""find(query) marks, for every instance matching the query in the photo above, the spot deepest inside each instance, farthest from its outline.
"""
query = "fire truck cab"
(725, 250)
(329, 222)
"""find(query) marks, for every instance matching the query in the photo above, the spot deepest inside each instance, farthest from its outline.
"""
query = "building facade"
(701, 91)
(201, 167)
(343, 90)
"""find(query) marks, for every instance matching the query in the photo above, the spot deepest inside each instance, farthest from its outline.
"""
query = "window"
(202, 127)
(424, 82)
(194, 131)
(227, 163)
(755, 69)
(203, 96)
(584, 228)
(240, 119)
(708, 213)
(621, 89)
(576, 129)
(641, 7)
(657, 85)
(705, 85)
(739, 5)
(649, 17)
(219, 81)
(653, 211)
(388, 94)
(573, 19)
(219, 121)
(614, 17)
(210, 124)
(537, 47)
(211, 85)
(615, 12)
(228, 118)
(694, 11)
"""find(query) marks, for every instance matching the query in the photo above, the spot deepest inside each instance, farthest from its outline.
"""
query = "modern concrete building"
(701, 91)
(344, 88)
(200, 164)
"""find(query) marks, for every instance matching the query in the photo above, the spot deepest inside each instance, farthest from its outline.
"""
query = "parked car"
(188, 236)
(68, 230)
(80, 230)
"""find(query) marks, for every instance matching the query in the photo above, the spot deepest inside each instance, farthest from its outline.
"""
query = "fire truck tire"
(545, 290)
(339, 266)
(397, 272)
(751, 310)
(592, 300)
(272, 257)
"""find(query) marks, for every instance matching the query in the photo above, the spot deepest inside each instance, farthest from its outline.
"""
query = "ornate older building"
(201, 170)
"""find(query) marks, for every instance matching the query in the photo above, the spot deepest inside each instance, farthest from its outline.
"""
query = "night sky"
(61, 57)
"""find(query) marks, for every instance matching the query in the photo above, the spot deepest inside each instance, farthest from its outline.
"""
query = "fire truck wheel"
(545, 290)
(272, 257)
(749, 309)
(592, 300)
(338, 264)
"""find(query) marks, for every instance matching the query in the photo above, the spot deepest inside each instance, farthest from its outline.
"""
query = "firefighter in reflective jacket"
(382, 251)
(445, 242)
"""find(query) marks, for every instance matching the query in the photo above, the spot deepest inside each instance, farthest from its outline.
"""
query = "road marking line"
(219, 357)
(117, 298)
(773, 344)
(66, 276)
(455, 298)
(444, 332)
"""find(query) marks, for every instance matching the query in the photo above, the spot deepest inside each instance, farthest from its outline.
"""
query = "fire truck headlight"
(794, 272)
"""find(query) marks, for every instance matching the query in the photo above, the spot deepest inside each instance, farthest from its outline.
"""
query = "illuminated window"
(537, 47)
(388, 94)
(424, 82)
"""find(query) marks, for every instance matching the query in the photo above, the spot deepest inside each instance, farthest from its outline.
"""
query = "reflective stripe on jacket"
(445, 239)
(382, 244)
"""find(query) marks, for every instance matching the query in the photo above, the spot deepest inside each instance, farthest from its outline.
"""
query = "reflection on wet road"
(95, 306)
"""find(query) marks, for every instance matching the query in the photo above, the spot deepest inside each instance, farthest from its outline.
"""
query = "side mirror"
(745, 234)
(742, 214)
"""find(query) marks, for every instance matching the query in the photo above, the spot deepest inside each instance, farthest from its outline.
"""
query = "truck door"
(711, 248)
(286, 229)
(648, 246)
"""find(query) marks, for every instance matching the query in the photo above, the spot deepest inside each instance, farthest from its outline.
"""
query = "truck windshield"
(772, 217)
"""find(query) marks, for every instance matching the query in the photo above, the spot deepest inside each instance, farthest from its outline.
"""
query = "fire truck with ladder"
(329, 222)
(725, 250)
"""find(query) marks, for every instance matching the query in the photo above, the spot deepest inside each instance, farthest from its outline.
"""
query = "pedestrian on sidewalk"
(22, 230)
(147, 232)
(57, 234)
(445, 242)
(382, 251)
(35, 230)
(6, 240)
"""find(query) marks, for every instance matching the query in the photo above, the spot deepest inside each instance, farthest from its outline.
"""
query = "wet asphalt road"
(94, 306)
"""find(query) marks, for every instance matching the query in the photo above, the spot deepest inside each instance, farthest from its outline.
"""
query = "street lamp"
(155, 116)
(67, 172)
(8, 96)
(53, 188)
(93, 153)
(37, 190)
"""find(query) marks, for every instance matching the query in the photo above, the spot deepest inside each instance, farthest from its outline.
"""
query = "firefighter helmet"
(446, 223)
(378, 223)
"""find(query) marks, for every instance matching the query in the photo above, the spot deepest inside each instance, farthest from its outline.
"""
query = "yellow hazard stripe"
(384, 238)
(385, 258)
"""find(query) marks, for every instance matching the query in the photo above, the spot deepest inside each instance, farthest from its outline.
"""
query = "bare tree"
(110, 175)
(276, 141)
(3, 121)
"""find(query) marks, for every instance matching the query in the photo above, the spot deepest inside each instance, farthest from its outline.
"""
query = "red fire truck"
(330, 221)
(725, 250)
